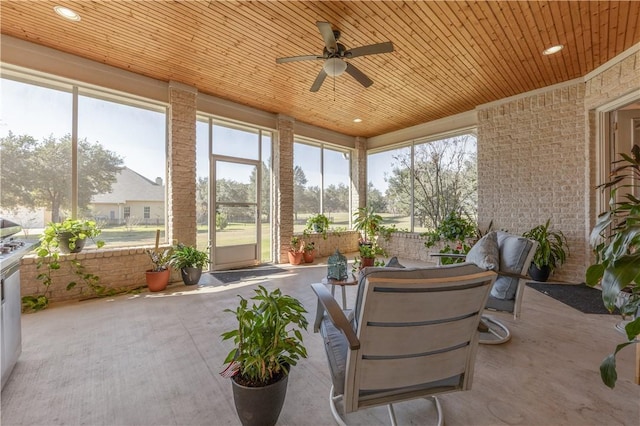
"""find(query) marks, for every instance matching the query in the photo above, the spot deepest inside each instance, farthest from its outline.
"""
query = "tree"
(299, 182)
(265, 189)
(336, 198)
(375, 199)
(202, 200)
(37, 174)
(445, 180)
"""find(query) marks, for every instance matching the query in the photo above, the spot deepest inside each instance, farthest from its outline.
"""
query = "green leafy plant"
(318, 223)
(296, 244)
(268, 338)
(309, 246)
(161, 259)
(553, 248)
(455, 231)
(48, 257)
(370, 250)
(615, 240)
(367, 222)
(184, 256)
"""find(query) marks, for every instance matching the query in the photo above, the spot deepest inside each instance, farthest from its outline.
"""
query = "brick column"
(359, 173)
(181, 164)
(283, 188)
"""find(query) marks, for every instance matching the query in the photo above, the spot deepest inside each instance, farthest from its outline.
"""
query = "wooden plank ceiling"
(449, 56)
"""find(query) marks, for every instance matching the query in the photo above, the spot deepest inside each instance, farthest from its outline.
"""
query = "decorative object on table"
(552, 251)
(190, 261)
(158, 276)
(337, 266)
(615, 239)
(296, 251)
(268, 342)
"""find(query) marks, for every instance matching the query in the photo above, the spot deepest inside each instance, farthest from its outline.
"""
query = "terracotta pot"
(295, 258)
(157, 281)
(367, 261)
(309, 256)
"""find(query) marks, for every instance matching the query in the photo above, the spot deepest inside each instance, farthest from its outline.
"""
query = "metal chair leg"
(493, 332)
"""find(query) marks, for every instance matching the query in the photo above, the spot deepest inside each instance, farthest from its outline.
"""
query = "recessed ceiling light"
(66, 13)
(357, 120)
(553, 49)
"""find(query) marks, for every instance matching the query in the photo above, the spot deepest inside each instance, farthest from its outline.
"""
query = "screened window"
(321, 184)
(416, 186)
(119, 149)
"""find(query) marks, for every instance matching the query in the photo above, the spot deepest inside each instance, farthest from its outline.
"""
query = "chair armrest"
(327, 303)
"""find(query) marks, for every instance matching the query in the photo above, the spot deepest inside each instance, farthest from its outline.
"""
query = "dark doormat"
(246, 274)
(586, 299)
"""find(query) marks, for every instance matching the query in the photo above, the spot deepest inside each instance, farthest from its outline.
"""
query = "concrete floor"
(154, 359)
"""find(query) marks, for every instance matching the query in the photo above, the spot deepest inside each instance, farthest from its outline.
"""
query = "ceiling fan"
(334, 54)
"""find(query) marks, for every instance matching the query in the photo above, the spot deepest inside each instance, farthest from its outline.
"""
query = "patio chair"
(412, 334)
(510, 256)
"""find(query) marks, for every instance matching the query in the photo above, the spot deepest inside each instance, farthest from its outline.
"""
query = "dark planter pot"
(63, 243)
(259, 406)
(191, 276)
(541, 274)
(157, 281)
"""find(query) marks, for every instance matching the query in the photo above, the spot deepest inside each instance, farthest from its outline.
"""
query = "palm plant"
(615, 240)
(552, 246)
(367, 222)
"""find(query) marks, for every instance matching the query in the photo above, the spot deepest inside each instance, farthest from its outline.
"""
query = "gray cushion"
(513, 253)
(393, 263)
(485, 253)
(336, 346)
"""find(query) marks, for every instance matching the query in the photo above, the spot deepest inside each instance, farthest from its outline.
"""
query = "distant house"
(133, 199)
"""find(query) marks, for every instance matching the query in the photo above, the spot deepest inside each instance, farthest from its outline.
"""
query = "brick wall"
(181, 158)
(283, 191)
(536, 160)
(118, 268)
(346, 241)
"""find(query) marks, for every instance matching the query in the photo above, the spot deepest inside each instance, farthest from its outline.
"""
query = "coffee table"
(350, 280)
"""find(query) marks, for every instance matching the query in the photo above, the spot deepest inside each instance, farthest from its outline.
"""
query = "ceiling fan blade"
(327, 34)
(318, 81)
(372, 49)
(359, 75)
(298, 58)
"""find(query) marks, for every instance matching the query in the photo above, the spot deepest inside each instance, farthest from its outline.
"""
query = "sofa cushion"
(513, 253)
(485, 252)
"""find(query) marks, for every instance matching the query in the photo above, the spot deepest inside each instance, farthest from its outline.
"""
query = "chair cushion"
(513, 253)
(393, 263)
(336, 347)
(485, 252)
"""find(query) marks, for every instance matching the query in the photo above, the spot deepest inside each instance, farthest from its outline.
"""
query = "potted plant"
(70, 235)
(368, 223)
(268, 342)
(296, 251)
(368, 254)
(455, 232)
(615, 240)
(318, 223)
(309, 252)
(190, 261)
(552, 251)
(158, 276)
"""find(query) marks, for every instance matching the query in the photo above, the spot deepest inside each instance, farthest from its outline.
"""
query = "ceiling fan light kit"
(333, 55)
(334, 67)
